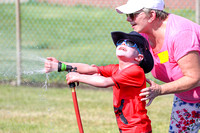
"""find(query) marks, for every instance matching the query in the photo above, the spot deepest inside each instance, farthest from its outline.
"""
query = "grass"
(40, 110)
(74, 34)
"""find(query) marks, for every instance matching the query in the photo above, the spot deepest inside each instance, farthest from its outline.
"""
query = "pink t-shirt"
(181, 37)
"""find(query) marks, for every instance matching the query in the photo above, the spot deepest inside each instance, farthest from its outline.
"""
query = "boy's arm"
(52, 65)
(83, 68)
(94, 80)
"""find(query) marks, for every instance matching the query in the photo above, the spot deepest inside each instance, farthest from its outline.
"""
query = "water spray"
(68, 68)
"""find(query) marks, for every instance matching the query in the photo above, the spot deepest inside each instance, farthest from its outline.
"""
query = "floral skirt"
(185, 117)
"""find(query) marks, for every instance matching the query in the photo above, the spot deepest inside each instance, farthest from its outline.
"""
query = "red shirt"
(129, 109)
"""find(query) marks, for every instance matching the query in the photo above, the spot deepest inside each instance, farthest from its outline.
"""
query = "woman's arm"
(94, 80)
(190, 67)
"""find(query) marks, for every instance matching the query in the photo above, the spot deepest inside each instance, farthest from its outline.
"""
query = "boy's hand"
(52, 59)
(72, 77)
(51, 64)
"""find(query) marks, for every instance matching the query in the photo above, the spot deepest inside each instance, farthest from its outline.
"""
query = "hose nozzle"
(68, 68)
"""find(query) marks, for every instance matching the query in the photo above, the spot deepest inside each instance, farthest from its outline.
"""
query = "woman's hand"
(51, 64)
(150, 92)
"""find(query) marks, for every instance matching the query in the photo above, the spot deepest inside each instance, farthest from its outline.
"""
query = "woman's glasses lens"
(133, 15)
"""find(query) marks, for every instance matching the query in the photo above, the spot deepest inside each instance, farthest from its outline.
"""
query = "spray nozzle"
(68, 68)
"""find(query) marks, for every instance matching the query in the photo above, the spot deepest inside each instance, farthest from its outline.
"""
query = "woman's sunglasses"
(133, 15)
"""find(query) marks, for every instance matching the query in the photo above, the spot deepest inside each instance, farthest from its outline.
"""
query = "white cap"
(135, 5)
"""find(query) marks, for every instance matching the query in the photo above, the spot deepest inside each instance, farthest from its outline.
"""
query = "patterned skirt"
(185, 117)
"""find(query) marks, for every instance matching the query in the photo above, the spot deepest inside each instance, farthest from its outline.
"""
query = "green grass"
(41, 110)
(75, 34)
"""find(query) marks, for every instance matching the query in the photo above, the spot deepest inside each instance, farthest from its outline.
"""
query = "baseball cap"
(147, 63)
(135, 5)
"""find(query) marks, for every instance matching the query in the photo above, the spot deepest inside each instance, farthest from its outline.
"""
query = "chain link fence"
(70, 30)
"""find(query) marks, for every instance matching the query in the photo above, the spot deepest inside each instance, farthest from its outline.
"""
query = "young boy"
(127, 79)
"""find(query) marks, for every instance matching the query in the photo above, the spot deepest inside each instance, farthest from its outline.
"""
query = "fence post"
(18, 42)
(198, 11)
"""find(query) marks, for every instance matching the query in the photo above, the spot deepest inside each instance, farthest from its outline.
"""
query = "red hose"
(78, 117)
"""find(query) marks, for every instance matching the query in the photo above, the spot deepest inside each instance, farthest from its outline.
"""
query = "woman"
(175, 46)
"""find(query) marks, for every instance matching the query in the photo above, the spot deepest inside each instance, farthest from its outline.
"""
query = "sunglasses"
(134, 15)
(128, 43)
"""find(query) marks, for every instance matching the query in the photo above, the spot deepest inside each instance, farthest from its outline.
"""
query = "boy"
(127, 79)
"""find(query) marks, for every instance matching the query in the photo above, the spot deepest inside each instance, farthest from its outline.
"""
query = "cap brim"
(127, 9)
(122, 9)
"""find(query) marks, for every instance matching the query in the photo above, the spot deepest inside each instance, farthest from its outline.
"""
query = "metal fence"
(70, 30)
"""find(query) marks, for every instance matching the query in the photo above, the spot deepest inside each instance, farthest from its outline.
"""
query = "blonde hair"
(161, 15)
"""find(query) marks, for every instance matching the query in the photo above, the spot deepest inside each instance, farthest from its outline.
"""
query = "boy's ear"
(139, 58)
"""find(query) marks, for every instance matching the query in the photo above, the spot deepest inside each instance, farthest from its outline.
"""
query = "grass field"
(76, 34)
(43, 110)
